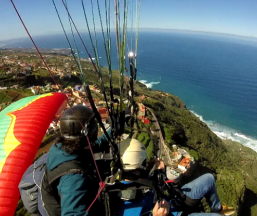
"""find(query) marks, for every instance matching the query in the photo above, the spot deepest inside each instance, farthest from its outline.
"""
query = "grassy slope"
(230, 162)
(4, 98)
(14, 95)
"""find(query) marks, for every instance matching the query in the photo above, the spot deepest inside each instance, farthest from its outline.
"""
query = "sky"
(237, 17)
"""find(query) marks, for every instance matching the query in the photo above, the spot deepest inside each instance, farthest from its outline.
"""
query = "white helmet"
(133, 154)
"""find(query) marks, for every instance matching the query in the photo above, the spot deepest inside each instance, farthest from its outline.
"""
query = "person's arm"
(103, 140)
(75, 196)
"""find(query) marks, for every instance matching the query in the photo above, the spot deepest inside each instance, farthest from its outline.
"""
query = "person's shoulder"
(57, 156)
(55, 147)
(73, 180)
(72, 176)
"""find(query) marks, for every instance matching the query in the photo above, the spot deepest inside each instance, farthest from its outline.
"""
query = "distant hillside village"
(16, 66)
(75, 97)
(18, 69)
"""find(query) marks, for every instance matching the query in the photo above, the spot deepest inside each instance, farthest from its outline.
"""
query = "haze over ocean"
(215, 75)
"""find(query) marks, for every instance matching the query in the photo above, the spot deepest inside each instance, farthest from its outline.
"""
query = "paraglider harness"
(116, 193)
(38, 186)
(170, 190)
(51, 180)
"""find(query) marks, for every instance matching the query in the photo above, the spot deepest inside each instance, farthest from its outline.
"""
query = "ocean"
(215, 75)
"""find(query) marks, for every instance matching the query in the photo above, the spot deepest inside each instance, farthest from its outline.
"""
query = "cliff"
(232, 164)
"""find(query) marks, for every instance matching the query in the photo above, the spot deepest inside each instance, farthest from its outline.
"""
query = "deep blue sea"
(215, 75)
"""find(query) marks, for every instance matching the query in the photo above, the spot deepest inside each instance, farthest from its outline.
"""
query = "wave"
(242, 136)
(226, 133)
(94, 58)
(148, 85)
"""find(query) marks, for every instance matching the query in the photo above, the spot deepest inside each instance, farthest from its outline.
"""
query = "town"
(18, 67)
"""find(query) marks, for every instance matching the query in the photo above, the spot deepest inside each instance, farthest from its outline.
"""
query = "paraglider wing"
(22, 128)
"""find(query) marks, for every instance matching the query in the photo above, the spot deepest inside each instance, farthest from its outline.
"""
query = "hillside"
(232, 164)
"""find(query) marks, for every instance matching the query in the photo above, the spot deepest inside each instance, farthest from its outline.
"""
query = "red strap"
(169, 181)
(96, 167)
(102, 185)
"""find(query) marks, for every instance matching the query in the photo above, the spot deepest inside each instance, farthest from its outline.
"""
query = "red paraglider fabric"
(22, 128)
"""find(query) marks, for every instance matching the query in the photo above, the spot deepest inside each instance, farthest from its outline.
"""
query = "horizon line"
(142, 28)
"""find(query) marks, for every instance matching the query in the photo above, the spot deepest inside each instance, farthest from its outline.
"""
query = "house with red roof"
(103, 112)
(146, 120)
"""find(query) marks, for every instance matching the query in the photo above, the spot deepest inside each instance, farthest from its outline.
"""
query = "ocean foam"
(225, 132)
(243, 136)
(199, 116)
(94, 58)
(150, 84)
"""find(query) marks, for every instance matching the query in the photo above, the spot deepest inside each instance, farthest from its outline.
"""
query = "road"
(163, 149)
(157, 132)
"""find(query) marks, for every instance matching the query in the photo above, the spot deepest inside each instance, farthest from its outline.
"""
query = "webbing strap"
(101, 184)
(186, 199)
(103, 156)
(64, 169)
(146, 182)
(134, 178)
(120, 187)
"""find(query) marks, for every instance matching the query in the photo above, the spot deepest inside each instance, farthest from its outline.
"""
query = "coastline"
(222, 131)
(226, 133)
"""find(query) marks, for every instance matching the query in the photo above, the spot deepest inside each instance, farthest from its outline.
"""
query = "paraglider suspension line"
(102, 184)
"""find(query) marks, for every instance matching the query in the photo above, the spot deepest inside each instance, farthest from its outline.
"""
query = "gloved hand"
(159, 164)
(161, 208)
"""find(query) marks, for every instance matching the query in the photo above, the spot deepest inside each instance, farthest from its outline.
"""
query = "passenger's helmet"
(133, 154)
(72, 120)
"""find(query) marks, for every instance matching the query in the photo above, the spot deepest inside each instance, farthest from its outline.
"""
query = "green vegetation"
(25, 91)
(4, 98)
(8, 96)
(146, 140)
(47, 137)
(20, 210)
(232, 164)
